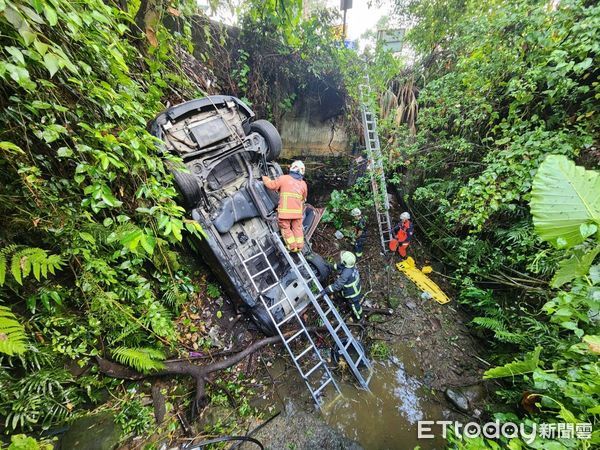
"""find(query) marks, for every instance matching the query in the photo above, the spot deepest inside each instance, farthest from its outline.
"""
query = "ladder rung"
(272, 307)
(260, 273)
(300, 267)
(311, 371)
(294, 336)
(268, 288)
(323, 386)
(285, 320)
(252, 257)
(304, 352)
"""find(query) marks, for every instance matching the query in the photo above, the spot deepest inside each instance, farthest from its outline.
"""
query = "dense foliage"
(501, 91)
(88, 217)
(277, 60)
(90, 229)
(89, 225)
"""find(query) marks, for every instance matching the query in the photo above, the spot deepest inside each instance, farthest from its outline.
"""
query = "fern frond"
(509, 337)
(518, 367)
(517, 234)
(12, 334)
(142, 359)
(130, 333)
(46, 381)
(3, 257)
(499, 328)
(35, 357)
(27, 260)
(490, 323)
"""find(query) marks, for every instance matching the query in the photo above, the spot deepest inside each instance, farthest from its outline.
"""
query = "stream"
(384, 418)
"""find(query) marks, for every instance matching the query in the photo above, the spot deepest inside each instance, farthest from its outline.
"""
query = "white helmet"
(355, 212)
(405, 216)
(348, 259)
(297, 166)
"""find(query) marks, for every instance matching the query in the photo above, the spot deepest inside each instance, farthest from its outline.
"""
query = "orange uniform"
(292, 195)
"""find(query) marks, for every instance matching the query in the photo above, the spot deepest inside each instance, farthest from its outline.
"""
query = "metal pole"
(344, 26)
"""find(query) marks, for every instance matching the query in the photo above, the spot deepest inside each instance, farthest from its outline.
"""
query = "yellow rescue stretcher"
(423, 282)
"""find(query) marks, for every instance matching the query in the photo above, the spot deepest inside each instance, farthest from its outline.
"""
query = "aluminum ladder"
(314, 371)
(348, 347)
(375, 168)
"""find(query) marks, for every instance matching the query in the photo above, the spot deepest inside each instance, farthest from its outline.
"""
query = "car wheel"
(188, 187)
(261, 318)
(268, 131)
(319, 266)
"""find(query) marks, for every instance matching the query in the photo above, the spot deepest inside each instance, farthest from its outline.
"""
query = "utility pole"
(345, 5)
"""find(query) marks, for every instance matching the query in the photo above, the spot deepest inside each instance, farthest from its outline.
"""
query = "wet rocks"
(299, 430)
(215, 415)
(458, 399)
(94, 432)
(466, 398)
(411, 305)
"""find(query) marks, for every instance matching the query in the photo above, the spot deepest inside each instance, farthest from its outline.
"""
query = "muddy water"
(386, 417)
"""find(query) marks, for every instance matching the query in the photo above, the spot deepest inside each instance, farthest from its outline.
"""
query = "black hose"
(235, 446)
(225, 439)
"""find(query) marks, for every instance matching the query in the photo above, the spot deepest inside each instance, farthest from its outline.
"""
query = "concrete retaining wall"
(301, 138)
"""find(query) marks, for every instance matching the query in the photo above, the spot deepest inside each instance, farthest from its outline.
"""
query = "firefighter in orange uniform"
(402, 235)
(292, 195)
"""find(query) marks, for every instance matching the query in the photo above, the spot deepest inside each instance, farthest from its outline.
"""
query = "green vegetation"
(134, 417)
(22, 442)
(89, 219)
(492, 137)
(381, 350)
(494, 174)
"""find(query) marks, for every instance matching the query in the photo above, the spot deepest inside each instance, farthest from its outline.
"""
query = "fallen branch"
(185, 367)
(179, 367)
(383, 311)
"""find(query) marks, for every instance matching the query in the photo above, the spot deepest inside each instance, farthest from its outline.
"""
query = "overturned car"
(227, 152)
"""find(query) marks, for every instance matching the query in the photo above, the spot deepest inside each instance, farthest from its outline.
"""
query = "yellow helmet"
(348, 259)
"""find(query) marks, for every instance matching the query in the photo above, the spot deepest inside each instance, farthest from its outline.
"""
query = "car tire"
(263, 322)
(319, 266)
(188, 187)
(268, 131)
